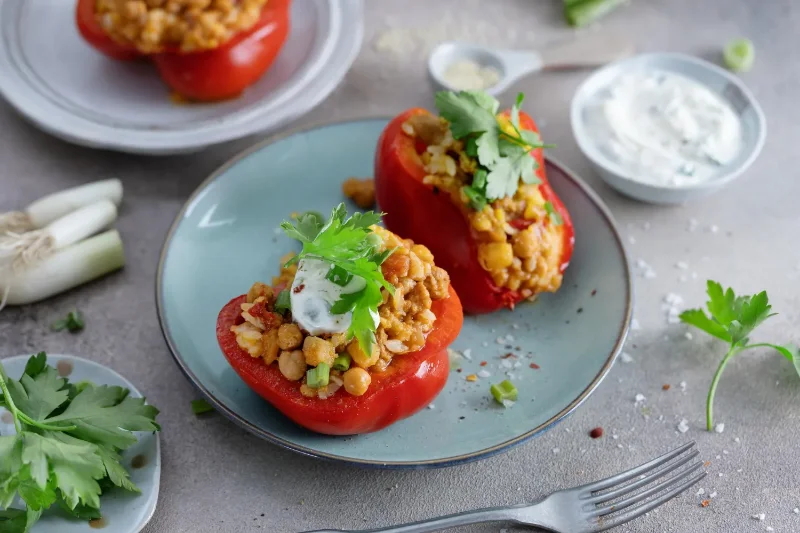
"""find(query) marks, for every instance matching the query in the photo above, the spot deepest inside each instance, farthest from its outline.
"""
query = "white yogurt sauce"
(312, 296)
(665, 129)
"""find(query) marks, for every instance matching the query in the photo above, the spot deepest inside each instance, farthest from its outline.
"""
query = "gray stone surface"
(218, 478)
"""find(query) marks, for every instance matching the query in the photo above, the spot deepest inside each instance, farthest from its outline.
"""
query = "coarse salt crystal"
(713, 228)
(509, 337)
(683, 265)
(508, 403)
(688, 335)
(640, 263)
(725, 452)
(770, 528)
(615, 437)
(640, 398)
(484, 374)
(631, 239)
(649, 273)
(719, 428)
(485, 344)
(737, 440)
(682, 385)
(619, 446)
(635, 325)
(720, 474)
(505, 363)
(517, 364)
(556, 450)
(431, 406)
(683, 425)
(700, 492)
(467, 354)
(693, 275)
(500, 340)
(515, 326)
(760, 517)
(713, 494)
(626, 357)
(796, 510)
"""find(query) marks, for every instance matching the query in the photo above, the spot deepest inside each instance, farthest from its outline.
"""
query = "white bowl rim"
(582, 139)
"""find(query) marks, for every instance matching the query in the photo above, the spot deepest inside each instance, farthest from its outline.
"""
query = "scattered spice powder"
(535, 366)
(483, 363)
(666, 386)
(705, 503)
(596, 433)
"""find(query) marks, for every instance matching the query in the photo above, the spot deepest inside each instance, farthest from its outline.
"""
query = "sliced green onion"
(739, 55)
(504, 391)
(54, 206)
(583, 12)
(319, 376)
(66, 269)
(476, 199)
(283, 302)
(471, 146)
(342, 362)
(479, 178)
(555, 216)
(200, 407)
(338, 275)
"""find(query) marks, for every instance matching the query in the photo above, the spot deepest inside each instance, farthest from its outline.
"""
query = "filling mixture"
(664, 128)
(519, 242)
(189, 25)
(356, 297)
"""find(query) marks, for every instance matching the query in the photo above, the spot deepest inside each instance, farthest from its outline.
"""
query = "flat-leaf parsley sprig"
(503, 155)
(732, 319)
(67, 447)
(351, 247)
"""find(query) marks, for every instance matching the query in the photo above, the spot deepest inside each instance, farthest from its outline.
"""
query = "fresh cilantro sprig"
(732, 319)
(504, 157)
(67, 445)
(349, 245)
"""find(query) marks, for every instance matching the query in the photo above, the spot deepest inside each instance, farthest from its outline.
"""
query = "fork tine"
(603, 525)
(649, 492)
(613, 495)
(632, 473)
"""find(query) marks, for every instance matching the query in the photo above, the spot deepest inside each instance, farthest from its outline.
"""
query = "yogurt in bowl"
(664, 128)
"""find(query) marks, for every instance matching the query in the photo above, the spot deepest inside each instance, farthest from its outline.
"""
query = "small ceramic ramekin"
(716, 79)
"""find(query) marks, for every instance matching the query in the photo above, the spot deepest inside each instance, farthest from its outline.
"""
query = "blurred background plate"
(227, 237)
(57, 81)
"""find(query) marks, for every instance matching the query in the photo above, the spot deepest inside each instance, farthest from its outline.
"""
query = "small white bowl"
(716, 79)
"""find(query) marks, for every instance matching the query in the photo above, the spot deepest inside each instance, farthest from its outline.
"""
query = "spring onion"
(739, 55)
(283, 302)
(342, 362)
(22, 251)
(504, 391)
(73, 323)
(66, 269)
(319, 376)
(583, 12)
(54, 206)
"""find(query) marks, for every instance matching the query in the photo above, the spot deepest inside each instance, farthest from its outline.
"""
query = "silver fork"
(586, 509)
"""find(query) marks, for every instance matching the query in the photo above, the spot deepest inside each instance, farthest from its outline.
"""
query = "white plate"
(56, 80)
(123, 512)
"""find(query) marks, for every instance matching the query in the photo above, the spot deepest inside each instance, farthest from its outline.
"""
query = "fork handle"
(494, 514)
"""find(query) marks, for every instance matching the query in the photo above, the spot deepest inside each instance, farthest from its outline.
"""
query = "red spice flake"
(705, 503)
(596, 433)
(484, 363)
(666, 386)
(299, 288)
(535, 366)
(707, 464)
(594, 291)
(508, 355)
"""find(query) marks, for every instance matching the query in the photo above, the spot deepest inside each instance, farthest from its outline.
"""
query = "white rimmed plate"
(123, 512)
(58, 82)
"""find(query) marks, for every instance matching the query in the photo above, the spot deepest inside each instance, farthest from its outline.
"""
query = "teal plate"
(227, 236)
(123, 512)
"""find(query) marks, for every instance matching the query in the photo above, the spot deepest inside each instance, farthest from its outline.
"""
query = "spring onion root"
(20, 251)
(68, 268)
(583, 12)
(54, 206)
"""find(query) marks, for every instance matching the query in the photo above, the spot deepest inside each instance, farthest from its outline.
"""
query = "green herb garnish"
(732, 319)
(283, 302)
(349, 244)
(201, 407)
(73, 323)
(504, 159)
(68, 443)
(555, 216)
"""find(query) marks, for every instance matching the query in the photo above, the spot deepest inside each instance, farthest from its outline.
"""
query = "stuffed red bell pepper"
(352, 336)
(470, 185)
(204, 50)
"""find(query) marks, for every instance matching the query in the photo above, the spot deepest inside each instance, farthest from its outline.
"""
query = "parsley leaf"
(350, 245)
(67, 447)
(466, 113)
(732, 319)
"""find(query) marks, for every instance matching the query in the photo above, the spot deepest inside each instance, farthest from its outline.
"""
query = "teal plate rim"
(394, 465)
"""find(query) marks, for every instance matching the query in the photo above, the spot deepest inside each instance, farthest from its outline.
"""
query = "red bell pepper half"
(419, 212)
(410, 383)
(207, 75)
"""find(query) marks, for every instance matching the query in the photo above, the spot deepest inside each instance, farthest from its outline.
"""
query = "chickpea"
(359, 357)
(292, 365)
(318, 351)
(356, 381)
(289, 336)
(495, 255)
(270, 348)
(259, 290)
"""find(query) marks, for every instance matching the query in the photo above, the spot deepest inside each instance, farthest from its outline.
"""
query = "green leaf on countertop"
(200, 407)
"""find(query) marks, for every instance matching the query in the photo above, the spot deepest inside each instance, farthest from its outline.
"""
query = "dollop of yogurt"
(312, 296)
(664, 128)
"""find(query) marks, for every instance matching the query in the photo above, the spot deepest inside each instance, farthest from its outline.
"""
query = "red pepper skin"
(409, 384)
(208, 75)
(423, 214)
